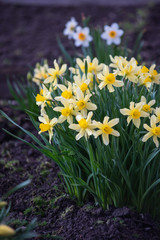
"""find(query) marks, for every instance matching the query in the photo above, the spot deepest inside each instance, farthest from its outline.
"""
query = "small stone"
(119, 212)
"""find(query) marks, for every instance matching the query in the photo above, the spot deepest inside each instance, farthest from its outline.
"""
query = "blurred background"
(29, 30)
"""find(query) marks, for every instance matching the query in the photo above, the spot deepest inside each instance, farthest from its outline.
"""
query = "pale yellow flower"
(84, 126)
(40, 74)
(147, 106)
(82, 102)
(145, 80)
(129, 71)
(6, 231)
(93, 66)
(54, 73)
(82, 83)
(47, 125)
(109, 80)
(155, 76)
(66, 92)
(105, 129)
(67, 111)
(116, 61)
(43, 97)
(153, 131)
(134, 113)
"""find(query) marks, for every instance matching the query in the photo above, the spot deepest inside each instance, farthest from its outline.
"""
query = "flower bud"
(3, 204)
(6, 231)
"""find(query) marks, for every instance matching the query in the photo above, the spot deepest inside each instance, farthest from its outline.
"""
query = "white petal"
(117, 40)
(115, 26)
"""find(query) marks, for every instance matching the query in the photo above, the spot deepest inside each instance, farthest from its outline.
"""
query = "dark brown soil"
(45, 197)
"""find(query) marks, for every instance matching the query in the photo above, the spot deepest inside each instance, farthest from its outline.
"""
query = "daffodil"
(112, 34)
(145, 80)
(105, 129)
(67, 111)
(70, 28)
(153, 131)
(43, 97)
(82, 102)
(47, 125)
(129, 71)
(157, 112)
(149, 76)
(92, 66)
(81, 83)
(116, 60)
(134, 113)
(6, 231)
(82, 36)
(40, 74)
(155, 76)
(147, 106)
(66, 92)
(54, 73)
(84, 126)
(109, 80)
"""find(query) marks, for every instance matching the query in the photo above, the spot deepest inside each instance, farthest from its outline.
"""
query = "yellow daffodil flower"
(43, 97)
(105, 129)
(145, 80)
(154, 74)
(82, 83)
(134, 113)
(153, 131)
(66, 92)
(82, 102)
(129, 71)
(147, 106)
(109, 80)
(54, 73)
(84, 126)
(93, 66)
(67, 111)
(116, 61)
(40, 74)
(47, 125)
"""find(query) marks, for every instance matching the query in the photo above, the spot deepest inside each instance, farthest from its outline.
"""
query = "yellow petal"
(137, 122)
(148, 135)
(155, 140)
(125, 111)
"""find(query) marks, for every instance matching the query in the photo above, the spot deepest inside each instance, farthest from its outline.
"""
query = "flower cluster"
(82, 37)
(75, 102)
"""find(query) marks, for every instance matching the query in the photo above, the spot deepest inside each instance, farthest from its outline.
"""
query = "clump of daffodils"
(80, 101)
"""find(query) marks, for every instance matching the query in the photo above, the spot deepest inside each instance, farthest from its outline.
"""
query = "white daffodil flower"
(70, 28)
(82, 36)
(112, 34)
